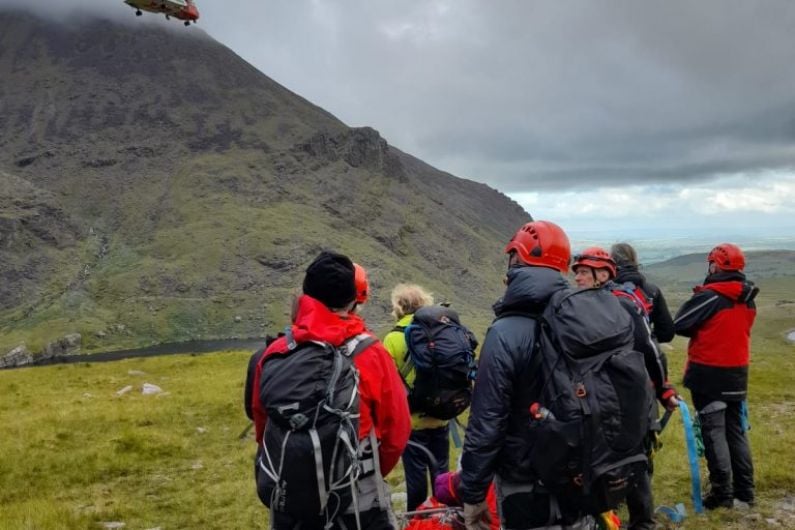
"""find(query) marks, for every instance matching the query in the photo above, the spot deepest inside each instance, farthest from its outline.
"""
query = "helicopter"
(184, 10)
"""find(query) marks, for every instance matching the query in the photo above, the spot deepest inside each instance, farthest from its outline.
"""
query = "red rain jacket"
(718, 320)
(383, 402)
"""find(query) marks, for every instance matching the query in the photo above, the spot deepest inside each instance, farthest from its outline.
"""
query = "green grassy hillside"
(75, 454)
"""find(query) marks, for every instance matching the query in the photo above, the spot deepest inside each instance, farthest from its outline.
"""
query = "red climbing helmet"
(596, 258)
(542, 244)
(727, 257)
(360, 280)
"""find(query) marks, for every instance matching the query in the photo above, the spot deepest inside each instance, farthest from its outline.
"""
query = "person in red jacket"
(324, 314)
(718, 320)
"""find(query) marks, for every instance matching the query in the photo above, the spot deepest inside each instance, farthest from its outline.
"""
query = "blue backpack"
(442, 352)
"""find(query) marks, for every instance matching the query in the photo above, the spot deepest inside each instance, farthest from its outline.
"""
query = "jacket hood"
(315, 321)
(529, 289)
(725, 276)
(630, 273)
(738, 291)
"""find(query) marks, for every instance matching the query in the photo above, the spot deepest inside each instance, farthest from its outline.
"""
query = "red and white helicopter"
(180, 9)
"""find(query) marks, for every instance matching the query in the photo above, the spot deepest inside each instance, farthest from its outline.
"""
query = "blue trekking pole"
(746, 424)
(692, 457)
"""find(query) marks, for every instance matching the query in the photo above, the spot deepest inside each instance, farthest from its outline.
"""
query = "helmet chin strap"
(596, 282)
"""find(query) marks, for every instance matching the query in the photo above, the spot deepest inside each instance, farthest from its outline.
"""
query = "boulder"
(149, 389)
(72, 342)
(19, 356)
(66, 345)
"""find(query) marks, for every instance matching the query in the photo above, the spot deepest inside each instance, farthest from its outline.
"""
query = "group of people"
(337, 422)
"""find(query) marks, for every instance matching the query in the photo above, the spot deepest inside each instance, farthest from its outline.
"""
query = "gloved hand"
(476, 516)
(672, 403)
(670, 399)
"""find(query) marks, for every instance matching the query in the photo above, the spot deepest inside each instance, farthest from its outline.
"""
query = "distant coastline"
(653, 249)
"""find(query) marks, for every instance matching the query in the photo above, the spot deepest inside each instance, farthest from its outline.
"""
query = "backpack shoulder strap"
(636, 295)
(356, 345)
(288, 335)
(408, 364)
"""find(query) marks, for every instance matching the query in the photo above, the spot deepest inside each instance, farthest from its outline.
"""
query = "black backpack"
(590, 418)
(309, 463)
(442, 353)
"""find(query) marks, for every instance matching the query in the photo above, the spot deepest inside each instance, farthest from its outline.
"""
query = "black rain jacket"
(497, 434)
(656, 363)
(662, 325)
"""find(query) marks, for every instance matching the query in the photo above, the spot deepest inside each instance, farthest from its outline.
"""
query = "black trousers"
(731, 470)
(640, 501)
(419, 467)
(640, 504)
(519, 511)
(374, 519)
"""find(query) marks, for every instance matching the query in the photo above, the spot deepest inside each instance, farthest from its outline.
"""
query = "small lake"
(196, 346)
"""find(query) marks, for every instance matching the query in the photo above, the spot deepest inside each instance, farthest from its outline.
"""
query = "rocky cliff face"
(34, 232)
(154, 180)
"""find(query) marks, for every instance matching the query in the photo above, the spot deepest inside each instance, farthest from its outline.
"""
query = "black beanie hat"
(330, 279)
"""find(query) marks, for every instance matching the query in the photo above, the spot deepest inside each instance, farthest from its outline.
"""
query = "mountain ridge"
(179, 195)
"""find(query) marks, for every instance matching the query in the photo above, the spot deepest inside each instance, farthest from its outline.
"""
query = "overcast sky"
(628, 116)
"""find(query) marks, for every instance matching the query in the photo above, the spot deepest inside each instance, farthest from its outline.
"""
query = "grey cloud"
(529, 95)
(67, 9)
(75, 12)
(553, 93)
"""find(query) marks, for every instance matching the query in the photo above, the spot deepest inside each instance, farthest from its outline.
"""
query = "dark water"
(196, 346)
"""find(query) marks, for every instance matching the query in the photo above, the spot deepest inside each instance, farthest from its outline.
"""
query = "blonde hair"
(407, 298)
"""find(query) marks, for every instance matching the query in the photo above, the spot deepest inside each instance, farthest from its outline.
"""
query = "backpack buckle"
(580, 391)
(297, 421)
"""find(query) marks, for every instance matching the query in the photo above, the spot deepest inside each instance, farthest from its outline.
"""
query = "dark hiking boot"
(742, 505)
(712, 502)
(745, 498)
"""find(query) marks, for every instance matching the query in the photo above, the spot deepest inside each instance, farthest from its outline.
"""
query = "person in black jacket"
(662, 325)
(594, 268)
(718, 320)
(496, 439)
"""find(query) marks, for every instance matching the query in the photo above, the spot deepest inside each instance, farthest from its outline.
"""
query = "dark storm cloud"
(528, 95)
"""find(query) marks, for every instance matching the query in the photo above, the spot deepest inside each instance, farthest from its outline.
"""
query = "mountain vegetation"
(155, 187)
(177, 460)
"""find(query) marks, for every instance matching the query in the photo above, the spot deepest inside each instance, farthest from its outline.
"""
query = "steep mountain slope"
(156, 187)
